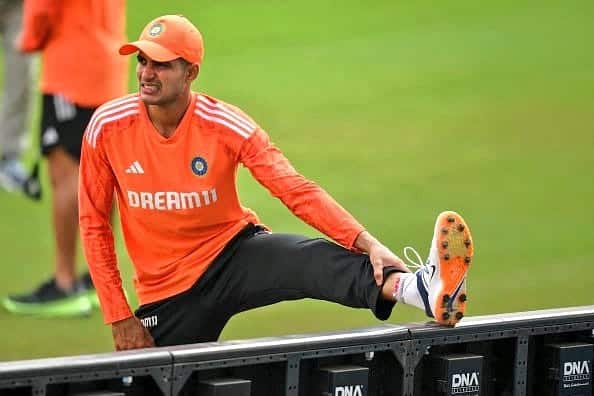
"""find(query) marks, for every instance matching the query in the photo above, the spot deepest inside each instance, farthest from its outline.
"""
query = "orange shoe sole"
(455, 249)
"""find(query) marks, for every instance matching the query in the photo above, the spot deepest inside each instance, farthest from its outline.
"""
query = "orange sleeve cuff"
(39, 17)
(351, 245)
(116, 311)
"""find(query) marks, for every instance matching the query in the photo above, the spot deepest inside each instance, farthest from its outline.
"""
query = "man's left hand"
(380, 257)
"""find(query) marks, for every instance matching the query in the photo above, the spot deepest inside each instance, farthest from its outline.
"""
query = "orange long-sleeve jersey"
(177, 196)
(78, 39)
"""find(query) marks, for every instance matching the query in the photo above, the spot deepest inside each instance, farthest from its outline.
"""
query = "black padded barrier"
(536, 353)
(143, 371)
(290, 365)
(509, 344)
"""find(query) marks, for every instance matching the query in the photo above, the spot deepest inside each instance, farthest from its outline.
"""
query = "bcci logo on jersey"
(199, 166)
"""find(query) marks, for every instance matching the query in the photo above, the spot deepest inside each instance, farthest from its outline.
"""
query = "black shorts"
(258, 268)
(63, 124)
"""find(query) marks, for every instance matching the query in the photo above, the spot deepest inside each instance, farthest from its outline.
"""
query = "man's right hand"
(130, 334)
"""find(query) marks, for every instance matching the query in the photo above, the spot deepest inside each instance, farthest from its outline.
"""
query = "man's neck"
(166, 118)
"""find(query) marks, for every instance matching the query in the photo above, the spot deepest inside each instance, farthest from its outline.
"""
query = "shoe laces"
(416, 261)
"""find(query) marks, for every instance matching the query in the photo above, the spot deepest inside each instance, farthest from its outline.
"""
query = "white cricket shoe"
(12, 175)
(439, 285)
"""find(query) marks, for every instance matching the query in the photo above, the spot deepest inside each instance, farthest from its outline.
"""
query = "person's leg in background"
(62, 128)
(14, 114)
(63, 175)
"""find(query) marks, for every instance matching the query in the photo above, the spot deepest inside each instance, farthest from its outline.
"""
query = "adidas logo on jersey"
(135, 168)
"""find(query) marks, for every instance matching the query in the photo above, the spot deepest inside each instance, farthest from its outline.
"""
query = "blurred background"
(400, 109)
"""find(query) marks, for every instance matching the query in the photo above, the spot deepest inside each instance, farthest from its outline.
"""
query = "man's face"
(161, 83)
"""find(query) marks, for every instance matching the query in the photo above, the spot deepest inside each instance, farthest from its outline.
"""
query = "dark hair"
(184, 62)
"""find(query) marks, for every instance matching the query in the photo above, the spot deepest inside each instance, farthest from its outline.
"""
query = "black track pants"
(257, 269)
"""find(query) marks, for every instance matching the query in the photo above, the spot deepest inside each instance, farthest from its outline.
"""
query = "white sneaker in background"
(12, 175)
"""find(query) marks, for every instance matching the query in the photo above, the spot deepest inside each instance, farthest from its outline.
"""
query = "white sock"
(408, 293)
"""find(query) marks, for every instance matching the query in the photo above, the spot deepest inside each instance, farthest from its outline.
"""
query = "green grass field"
(400, 110)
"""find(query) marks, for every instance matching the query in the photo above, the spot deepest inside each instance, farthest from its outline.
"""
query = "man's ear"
(193, 71)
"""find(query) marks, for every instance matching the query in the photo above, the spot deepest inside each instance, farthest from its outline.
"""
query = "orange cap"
(167, 38)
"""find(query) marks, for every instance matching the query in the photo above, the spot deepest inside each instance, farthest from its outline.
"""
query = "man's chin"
(149, 99)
